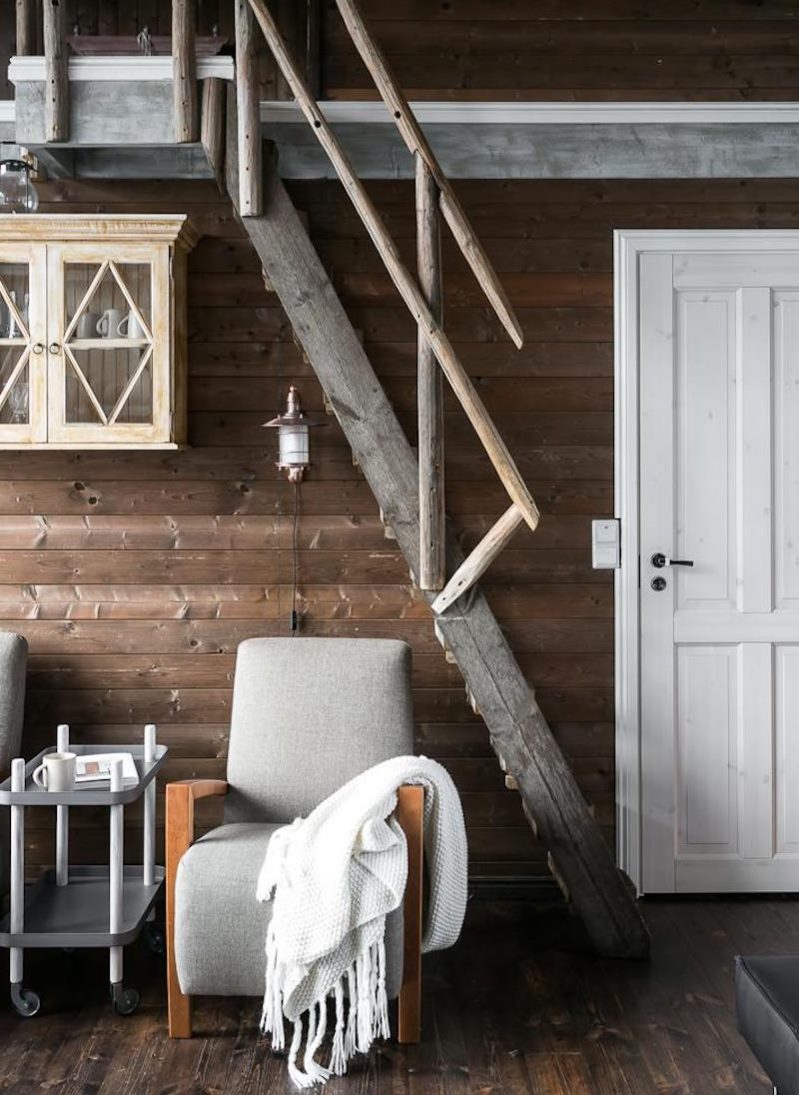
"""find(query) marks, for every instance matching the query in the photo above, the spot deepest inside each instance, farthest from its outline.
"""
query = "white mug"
(87, 325)
(57, 772)
(109, 321)
(130, 327)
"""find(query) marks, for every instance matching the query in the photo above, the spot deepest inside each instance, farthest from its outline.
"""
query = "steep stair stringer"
(470, 632)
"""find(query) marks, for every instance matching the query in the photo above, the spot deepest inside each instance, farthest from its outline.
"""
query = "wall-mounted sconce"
(293, 436)
(17, 192)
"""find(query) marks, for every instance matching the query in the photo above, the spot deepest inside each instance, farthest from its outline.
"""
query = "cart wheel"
(125, 1000)
(24, 1001)
(155, 938)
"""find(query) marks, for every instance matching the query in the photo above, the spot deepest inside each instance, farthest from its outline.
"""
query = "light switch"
(606, 544)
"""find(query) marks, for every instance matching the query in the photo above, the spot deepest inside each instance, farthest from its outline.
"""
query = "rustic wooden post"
(184, 72)
(56, 100)
(248, 113)
(313, 46)
(26, 28)
(212, 127)
(430, 387)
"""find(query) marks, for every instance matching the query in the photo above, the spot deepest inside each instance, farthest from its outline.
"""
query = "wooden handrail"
(410, 292)
(416, 142)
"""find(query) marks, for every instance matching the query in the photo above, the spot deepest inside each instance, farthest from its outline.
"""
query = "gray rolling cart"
(75, 907)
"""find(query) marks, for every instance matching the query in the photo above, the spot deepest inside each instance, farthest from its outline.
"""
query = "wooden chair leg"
(410, 812)
(179, 823)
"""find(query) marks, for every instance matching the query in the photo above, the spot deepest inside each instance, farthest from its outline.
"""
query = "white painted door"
(719, 486)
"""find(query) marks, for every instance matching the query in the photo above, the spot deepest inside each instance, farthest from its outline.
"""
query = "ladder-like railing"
(432, 336)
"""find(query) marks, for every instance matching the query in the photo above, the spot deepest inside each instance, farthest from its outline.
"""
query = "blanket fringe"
(361, 1017)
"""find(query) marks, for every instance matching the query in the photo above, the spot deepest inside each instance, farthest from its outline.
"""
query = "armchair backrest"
(308, 715)
(13, 663)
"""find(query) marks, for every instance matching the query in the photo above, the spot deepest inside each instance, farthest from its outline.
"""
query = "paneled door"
(719, 570)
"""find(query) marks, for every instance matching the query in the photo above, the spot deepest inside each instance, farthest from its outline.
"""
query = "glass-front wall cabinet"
(92, 332)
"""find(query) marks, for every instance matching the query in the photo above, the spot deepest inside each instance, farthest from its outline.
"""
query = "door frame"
(628, 245)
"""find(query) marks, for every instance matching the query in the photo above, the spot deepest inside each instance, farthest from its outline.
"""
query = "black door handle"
(660, 560)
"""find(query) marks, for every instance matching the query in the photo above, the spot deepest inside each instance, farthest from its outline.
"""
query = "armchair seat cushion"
(220, 929)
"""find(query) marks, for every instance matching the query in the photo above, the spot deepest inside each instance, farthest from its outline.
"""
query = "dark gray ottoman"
(767, 1006)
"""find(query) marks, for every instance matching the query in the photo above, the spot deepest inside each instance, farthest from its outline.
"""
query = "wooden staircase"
(409, 492)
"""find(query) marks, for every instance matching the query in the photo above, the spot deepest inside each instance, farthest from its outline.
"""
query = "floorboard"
(519, 1007)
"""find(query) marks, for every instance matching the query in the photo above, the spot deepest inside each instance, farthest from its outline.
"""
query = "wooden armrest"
(410, 814)
(180, 798)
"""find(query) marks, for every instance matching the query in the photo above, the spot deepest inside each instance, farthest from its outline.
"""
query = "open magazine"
(94, 767)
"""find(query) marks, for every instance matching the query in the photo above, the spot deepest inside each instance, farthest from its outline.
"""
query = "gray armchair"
(308, 715)
(13, 663)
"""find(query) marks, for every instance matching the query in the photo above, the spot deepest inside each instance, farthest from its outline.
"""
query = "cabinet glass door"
(107, 343)
(23, 288)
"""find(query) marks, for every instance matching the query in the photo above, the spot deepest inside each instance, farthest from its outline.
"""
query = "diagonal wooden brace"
(480, 559)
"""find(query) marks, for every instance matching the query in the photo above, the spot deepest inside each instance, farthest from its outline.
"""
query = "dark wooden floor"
(517, 1007)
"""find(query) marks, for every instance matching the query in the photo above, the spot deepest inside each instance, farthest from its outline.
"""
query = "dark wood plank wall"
(523, 49)
(135, 575)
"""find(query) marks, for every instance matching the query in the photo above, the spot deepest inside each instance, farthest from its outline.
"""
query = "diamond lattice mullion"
(98, 277)
(87, 386)
(133, 306)
(14, 311)
(15, 373)
(126, 391)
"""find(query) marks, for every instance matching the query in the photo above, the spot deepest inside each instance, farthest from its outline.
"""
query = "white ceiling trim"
(118, 68)
(517, 113)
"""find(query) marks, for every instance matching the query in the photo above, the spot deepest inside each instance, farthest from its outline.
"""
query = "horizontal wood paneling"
(607, 49)
(135, 575)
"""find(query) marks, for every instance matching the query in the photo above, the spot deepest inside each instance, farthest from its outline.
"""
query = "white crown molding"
(517, 113)
(23, 69)
(7, 110)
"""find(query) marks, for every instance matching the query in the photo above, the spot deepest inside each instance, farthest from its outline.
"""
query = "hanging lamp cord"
(295, 618)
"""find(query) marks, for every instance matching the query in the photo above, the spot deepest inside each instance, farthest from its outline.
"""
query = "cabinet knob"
(38, 347)
(55, 348)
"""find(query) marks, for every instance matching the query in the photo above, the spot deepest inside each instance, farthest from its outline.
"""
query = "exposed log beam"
(26, 28)
(212, 126)
(411, 132)
(430, 388)
(518, 730)
(56, 81)
(248, 112)
(479, 560)
(184, 72)
(432, 331)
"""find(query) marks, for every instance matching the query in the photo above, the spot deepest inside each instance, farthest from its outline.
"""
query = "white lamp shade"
(294, 449)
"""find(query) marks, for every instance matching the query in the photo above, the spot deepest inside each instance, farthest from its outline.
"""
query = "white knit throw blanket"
(335, 875)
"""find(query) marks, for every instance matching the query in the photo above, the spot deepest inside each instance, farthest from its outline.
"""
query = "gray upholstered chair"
(13, 663)
(308, 715)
